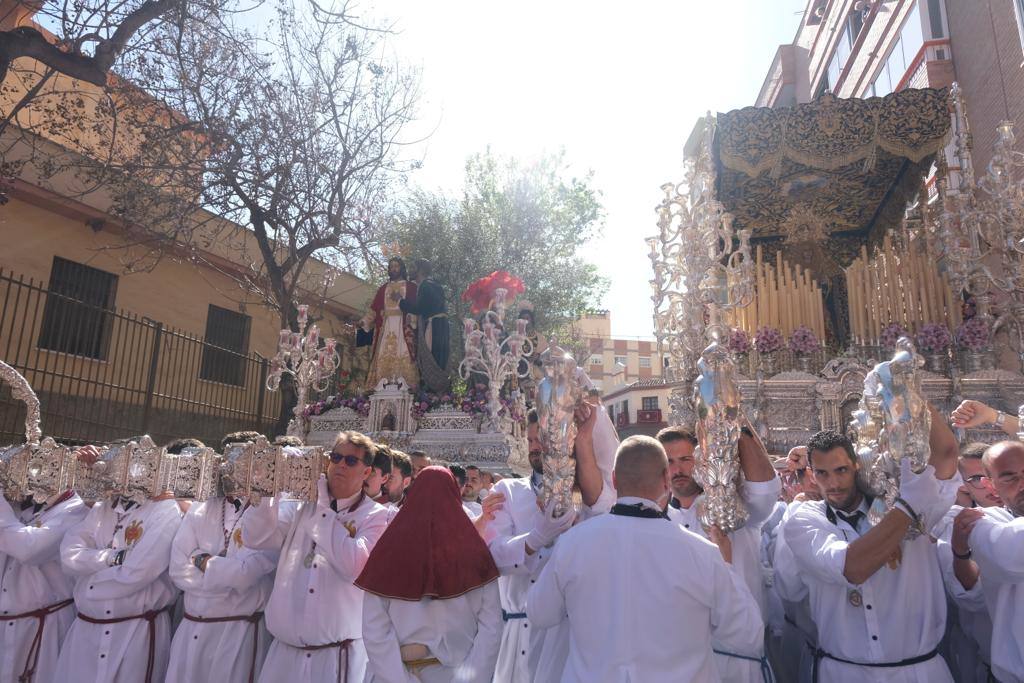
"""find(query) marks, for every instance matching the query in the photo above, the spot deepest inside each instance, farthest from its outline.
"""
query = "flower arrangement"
(891, 334)
(973, 335)
(738, 342)
(933, 338)
(360, 403)
(767, 340)
(803, 341)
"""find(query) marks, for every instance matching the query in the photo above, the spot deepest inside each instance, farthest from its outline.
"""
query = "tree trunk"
(289, 395)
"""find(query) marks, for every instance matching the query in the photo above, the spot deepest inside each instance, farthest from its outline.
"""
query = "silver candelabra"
(496, 359)
(981, 226)
(300, 355)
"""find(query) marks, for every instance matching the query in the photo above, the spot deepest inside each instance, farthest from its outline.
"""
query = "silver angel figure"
(717, 467)
(557, 395)
(893, 424)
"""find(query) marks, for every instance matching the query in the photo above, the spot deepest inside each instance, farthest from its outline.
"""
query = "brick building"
(615, 361)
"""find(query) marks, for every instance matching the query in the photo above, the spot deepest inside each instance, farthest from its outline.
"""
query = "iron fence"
(103, 374)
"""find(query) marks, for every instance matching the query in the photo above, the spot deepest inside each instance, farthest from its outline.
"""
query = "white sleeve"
(265, 526)
(508, 544)
(478, 667)
(972, 600)
(736, 622)
(786, 572)
(760, 497)
(381, 643)
(345, 551)
(817, 550)
(145, 561)
(79, 551)
(182, 571)
(998, 548)
(30, 544)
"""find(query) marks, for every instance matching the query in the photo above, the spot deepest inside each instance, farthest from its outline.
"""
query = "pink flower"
(891, 333)
(803, 341)
(767, 340)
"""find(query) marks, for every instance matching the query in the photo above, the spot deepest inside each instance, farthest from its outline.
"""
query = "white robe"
(118, 652)
(972, 651)
(463, 633)
(760, 498)
(997, 544)
(318, 604)
(31, 578)
(636, 609)
(799, 633)
(545, 651)
(235, 585)
(507, 532)
(902, 612)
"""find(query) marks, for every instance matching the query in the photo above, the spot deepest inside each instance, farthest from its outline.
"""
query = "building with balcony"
(615, 361)
(639, 407)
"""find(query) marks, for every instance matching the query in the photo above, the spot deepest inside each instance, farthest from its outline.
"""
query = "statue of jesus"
(393, 352)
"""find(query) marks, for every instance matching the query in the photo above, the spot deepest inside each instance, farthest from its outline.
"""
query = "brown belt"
(150, 618)
(343, 649)
(253, 619)
(37, 641)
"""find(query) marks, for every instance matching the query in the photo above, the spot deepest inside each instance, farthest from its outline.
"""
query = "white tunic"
(799, 631)
(463, 633)
(315, 604)
(971, 652)
(760, 497)
(636, 609)
(508, 531)
(237, 584)
(997, 544)
(119, 652)
(901, 612)
(31, 578)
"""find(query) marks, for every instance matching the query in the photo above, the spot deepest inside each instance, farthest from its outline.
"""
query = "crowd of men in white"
(629, 587)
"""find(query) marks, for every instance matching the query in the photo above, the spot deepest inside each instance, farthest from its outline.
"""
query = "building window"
(645, 361)
(597, 359)
(902, 56)
(624, 409)
(79, 313)
(649, 403)
(611, 412)
(226, 346)
(620, 360)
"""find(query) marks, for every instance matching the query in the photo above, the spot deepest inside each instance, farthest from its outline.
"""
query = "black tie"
(237, 503)
(850, 519)
(334, 505)
(674, 502)
(637, 510)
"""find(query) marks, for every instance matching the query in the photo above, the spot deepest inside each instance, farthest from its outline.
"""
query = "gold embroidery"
(133, 533)
(351, 526)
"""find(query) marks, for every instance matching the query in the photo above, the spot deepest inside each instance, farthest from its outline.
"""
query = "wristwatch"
(1000, 419)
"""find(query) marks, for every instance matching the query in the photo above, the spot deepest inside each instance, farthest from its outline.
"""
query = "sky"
(618, 86)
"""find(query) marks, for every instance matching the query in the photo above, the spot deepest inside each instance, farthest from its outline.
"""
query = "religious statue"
(390, 331)
(434, 334)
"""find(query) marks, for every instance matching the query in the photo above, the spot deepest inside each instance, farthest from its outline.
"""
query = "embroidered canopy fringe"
(831, 133)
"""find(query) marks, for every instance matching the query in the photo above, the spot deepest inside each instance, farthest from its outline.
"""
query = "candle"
(314, 336)
(330, 345)
(521, 327)
(467, 327)
(303, 315)
(284, 339)
(296, 342)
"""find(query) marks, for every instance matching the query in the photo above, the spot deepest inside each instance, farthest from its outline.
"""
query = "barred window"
(649, 403)
(226, 346)
(78, 314)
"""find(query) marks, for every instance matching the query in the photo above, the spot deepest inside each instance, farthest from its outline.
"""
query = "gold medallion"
(855, 598)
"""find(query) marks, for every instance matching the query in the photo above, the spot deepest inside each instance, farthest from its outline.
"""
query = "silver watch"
(1000, 419)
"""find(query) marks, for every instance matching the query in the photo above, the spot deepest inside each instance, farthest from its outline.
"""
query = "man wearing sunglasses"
(315, 611)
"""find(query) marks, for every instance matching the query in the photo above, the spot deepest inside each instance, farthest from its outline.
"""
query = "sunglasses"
(350, 460)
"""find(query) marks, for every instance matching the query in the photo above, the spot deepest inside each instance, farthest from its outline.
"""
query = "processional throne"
(840, 217)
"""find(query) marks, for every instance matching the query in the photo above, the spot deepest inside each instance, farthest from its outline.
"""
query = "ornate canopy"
(822, 178)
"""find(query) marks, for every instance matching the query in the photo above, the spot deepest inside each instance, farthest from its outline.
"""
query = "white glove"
(323, 496)
(919, 491)
(549, 527)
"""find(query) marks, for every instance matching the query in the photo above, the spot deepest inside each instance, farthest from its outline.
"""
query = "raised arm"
(588, 475)
(975, 414)
(944, 448)
(761, 486)
(265, 526)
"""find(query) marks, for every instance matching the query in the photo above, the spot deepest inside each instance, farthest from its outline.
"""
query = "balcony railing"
(648, 416)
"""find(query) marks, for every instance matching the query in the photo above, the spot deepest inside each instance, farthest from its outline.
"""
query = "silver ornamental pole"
(558, 393)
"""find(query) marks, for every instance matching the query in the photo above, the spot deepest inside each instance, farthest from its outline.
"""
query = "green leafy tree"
(530, 220)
